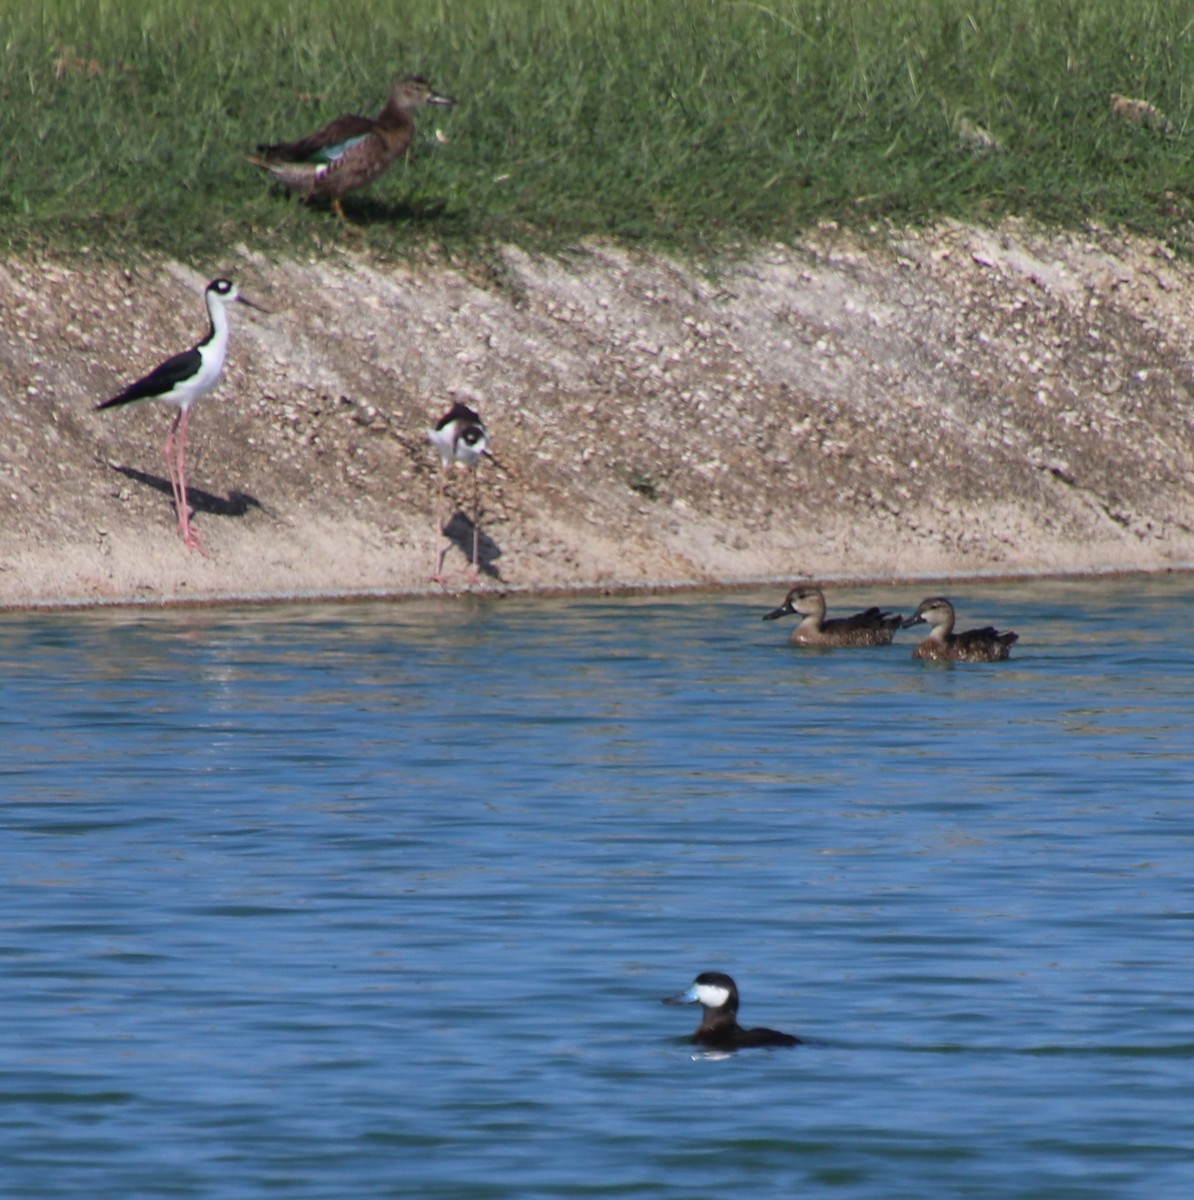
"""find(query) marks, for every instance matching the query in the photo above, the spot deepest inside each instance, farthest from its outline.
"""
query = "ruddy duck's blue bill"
(688, 997)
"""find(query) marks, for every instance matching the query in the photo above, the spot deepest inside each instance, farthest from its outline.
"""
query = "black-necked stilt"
(180, 381)
(350, 151)
(460, 437)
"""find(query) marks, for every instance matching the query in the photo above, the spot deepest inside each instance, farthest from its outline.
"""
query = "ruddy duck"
(973, 645)
(719, 1028)
(872, 627)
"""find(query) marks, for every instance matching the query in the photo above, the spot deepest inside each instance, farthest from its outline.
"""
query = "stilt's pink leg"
(170, 467)
(190, 537)
(437, 575)
(475, 570)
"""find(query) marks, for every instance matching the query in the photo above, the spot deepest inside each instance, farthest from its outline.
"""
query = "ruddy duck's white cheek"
(710, 995)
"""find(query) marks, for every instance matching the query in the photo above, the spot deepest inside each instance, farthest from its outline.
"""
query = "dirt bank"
(958, 401)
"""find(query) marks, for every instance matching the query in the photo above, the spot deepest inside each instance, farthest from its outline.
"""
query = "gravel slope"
(947, 402)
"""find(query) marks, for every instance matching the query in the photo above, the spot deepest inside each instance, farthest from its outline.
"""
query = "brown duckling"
(872, 627)
(973, 645)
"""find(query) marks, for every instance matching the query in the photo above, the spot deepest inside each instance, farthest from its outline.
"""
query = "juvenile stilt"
(461, 438)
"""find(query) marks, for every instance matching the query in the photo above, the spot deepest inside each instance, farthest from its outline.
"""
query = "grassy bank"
(688, 123)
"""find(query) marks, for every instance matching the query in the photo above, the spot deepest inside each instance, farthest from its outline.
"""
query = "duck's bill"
(688, 997)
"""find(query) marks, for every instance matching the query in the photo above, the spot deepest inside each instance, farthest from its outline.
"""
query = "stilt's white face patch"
(459, 442)
(709, 994)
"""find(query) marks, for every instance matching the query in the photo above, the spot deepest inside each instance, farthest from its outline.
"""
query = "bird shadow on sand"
(235, 504)
(362, 212)
(369, 210)
(459, 531)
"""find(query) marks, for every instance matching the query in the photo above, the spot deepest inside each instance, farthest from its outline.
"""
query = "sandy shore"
(955, 402)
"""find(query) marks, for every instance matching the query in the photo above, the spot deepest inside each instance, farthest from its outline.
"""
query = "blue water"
(381, 900)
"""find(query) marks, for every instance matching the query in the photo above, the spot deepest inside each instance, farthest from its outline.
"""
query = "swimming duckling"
(350, 151)
(974, 645)
(719, 1029)
(872, 627)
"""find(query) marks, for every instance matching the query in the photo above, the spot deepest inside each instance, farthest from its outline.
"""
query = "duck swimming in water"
(972, 645)
(719, 1029)
(872, 627)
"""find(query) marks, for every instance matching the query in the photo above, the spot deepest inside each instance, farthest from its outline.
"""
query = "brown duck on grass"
(973, 645)
(872, 627)
(350, 151)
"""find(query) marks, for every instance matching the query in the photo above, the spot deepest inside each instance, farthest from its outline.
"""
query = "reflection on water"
(382, 900)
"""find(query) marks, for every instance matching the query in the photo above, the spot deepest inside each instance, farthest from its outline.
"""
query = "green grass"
(695, 125)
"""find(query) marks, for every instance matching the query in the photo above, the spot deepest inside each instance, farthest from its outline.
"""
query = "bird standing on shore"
(350, 151)
(461, 438)
(180, 381)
